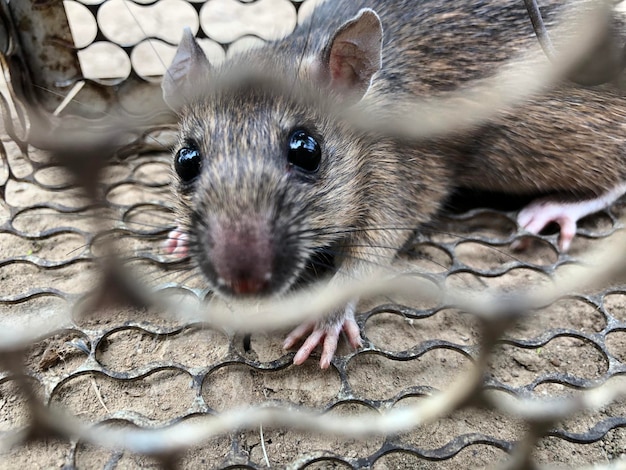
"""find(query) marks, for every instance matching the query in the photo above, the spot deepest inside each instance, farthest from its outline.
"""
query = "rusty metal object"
(46, 46)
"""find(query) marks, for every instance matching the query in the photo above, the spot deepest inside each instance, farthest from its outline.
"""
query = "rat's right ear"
(189, 69)
(353, 55)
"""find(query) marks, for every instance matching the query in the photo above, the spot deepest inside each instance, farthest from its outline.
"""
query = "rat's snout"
(242, 254)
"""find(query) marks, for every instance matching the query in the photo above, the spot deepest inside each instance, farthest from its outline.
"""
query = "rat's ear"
(353, 55)
(189, 69)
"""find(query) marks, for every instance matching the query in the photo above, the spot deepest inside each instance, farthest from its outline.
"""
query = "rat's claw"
(176, 243)
(326, 334)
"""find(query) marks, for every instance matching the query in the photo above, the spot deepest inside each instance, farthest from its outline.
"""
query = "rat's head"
(267, 176)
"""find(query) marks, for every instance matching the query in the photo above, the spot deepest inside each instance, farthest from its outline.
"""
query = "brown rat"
(275, 186)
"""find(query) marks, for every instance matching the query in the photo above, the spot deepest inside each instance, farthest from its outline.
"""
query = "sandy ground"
(161, 396)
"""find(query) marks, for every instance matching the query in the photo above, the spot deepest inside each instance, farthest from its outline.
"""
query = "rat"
(274, 186)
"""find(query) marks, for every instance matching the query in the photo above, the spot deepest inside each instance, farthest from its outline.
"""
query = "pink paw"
(176, 243)
(537, 215)
(534, 217)
(326, 334)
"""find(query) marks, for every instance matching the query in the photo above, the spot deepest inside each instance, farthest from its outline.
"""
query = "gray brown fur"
(570, 140)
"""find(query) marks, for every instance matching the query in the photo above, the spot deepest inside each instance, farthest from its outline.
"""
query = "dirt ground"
(147, 363)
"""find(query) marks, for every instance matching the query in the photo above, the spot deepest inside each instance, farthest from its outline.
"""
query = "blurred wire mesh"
(93, 375)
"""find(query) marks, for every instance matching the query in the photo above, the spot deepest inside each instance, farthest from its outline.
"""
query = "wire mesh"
(119, 367)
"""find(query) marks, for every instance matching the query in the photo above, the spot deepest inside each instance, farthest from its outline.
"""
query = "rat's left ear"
(353, 55)
(189, 70)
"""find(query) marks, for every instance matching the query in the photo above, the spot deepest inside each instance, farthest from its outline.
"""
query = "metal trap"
(120, 368)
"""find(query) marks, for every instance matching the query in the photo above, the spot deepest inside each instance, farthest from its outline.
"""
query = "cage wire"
(96, 377)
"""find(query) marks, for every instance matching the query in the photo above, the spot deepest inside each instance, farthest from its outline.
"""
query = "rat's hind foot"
(538, 214)
(176, 243)
(326, 333)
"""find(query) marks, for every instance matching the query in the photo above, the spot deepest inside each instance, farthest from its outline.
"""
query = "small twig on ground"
(267, 460)
(97, 391)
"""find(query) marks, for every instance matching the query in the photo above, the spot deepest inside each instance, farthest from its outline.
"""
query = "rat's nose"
(243, 256)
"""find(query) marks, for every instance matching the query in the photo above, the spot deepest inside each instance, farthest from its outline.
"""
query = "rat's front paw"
(176, 243)
(325, 332)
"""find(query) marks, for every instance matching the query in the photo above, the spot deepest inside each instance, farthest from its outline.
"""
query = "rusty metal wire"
(64, 323)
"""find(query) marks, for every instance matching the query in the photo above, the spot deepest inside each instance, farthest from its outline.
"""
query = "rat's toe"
(568, 231)
(309, 345)
(297, 334)
(353, 332)
(330, 346)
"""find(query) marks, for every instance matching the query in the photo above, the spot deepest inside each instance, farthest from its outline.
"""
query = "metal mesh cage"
(121, 367)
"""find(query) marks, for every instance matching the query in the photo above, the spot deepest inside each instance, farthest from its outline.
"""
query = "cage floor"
(127, 367)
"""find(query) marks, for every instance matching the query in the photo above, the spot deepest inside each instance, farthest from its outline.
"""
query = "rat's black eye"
(188, 163)
(304, 151)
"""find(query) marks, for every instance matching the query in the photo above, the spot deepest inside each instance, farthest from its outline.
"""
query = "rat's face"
(268, 179)
(269, 187)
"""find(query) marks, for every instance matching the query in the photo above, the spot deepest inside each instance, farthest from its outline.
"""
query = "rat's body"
(272, 180)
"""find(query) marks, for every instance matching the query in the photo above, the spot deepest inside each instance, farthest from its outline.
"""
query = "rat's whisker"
(180, 276)
(313, 234)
